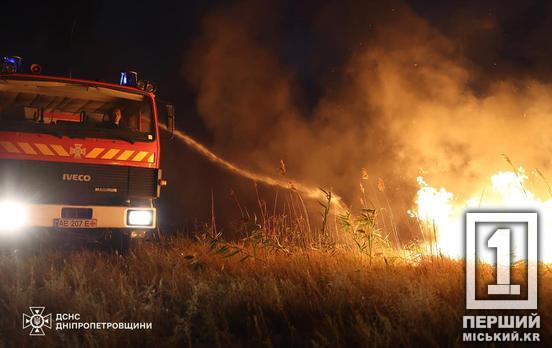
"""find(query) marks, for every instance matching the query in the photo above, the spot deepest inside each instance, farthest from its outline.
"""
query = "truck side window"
(145, 119)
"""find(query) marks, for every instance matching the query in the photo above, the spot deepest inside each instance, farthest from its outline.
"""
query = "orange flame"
(439, 210)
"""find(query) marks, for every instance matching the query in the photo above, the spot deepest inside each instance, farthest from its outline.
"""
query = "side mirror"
(170, 118)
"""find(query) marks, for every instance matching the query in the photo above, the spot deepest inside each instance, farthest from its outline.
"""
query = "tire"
(120, 241)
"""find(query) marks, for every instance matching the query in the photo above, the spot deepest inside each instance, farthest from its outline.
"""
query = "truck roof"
(77, 81)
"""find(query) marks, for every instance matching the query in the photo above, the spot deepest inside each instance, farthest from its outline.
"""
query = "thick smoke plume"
(403, 99)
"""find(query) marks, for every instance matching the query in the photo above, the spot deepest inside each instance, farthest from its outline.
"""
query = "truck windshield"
(75, 110)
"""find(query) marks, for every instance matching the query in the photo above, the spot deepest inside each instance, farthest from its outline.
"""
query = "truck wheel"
(120, 241)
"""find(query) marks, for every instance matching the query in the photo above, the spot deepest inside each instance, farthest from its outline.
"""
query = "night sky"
(98, 39)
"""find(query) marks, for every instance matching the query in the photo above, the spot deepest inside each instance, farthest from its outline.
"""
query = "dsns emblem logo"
(76, 177)
(36, 321)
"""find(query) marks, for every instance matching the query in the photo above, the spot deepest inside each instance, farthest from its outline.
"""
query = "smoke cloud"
(396, 98)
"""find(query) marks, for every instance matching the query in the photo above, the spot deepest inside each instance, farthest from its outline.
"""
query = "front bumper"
(106, 217)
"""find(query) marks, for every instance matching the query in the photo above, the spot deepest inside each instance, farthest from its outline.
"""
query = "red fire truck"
(78, 158)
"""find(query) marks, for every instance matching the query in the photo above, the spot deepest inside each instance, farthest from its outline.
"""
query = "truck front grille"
(76, 183)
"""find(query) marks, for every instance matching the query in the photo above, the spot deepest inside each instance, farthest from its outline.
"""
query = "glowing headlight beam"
(140, 218)
(13, 215)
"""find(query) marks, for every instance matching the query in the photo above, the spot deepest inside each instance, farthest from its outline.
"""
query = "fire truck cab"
(77, 158)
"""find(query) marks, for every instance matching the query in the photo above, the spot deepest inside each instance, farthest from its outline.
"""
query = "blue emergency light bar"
(11, 64)
(129, 78)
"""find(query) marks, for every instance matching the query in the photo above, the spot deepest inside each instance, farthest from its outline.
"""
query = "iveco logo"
(77, 177)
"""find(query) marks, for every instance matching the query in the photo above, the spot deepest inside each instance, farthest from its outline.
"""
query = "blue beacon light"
(129, 78)
(11, 64)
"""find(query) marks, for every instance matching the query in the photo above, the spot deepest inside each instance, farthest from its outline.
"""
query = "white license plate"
(75, 223)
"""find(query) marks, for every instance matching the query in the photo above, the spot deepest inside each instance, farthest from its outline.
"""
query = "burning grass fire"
(441, 213)
(438, 212)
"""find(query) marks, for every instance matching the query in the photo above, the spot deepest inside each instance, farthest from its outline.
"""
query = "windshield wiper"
(95, 133)
(29, 128)
(50, 132)
(83, 133)
(119, 137)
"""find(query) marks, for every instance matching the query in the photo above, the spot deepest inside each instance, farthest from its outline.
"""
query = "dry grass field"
(211, 293)
(281, 282)
(196, 296)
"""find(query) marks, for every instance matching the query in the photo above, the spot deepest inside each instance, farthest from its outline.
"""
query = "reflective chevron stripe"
(95, 152)
(110, 154)
(125, 155)
(28, 149)
(78, 150)
(9, 147)
(140, 156)
(44, 149)
(60, 151)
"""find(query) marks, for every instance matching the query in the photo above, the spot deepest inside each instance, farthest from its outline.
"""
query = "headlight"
(140, 218)
(13, 215)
